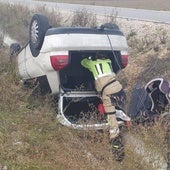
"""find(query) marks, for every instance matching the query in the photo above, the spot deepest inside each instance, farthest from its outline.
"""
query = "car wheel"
(38, 27)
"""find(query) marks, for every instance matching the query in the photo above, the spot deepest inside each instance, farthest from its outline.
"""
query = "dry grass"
(30, 136)
(15, 19)
(84, 19)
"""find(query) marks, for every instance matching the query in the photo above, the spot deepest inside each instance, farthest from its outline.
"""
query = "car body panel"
(72, 43)
(55, 44)
(84, 42)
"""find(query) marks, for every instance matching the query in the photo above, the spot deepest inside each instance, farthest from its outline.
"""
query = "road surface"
(139, 14)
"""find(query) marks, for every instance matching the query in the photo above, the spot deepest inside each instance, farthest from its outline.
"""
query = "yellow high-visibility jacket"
(99, 67)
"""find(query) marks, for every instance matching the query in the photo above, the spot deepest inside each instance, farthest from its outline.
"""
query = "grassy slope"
(30, 136)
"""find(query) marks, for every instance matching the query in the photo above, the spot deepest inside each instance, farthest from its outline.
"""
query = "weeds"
(54, 15)
(148, 41)
(1, 38)
(15, 19)
(112, 18)
(84, 19)
(162, 35)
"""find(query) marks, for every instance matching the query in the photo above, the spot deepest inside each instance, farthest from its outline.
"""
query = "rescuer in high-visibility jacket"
(106, 83)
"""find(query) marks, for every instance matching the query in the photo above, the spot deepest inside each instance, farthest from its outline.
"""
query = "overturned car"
(53, 56)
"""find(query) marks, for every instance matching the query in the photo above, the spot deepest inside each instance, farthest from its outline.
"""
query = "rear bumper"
(64, 121)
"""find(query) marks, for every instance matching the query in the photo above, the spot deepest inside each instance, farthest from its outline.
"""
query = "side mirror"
(14, 49)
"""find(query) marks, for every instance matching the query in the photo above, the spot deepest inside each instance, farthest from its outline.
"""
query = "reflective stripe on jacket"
(99, 67)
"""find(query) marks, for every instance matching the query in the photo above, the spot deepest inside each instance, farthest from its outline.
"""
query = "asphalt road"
(139, 14)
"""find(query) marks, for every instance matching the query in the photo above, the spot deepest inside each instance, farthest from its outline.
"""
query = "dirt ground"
(141, 4)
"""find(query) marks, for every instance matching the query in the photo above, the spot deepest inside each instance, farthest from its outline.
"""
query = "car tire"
(38, 27)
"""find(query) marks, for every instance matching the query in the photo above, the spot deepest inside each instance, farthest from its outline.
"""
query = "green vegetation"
(30, 136)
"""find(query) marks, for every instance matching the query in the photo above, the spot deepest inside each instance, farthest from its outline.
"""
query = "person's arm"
(86, 63)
